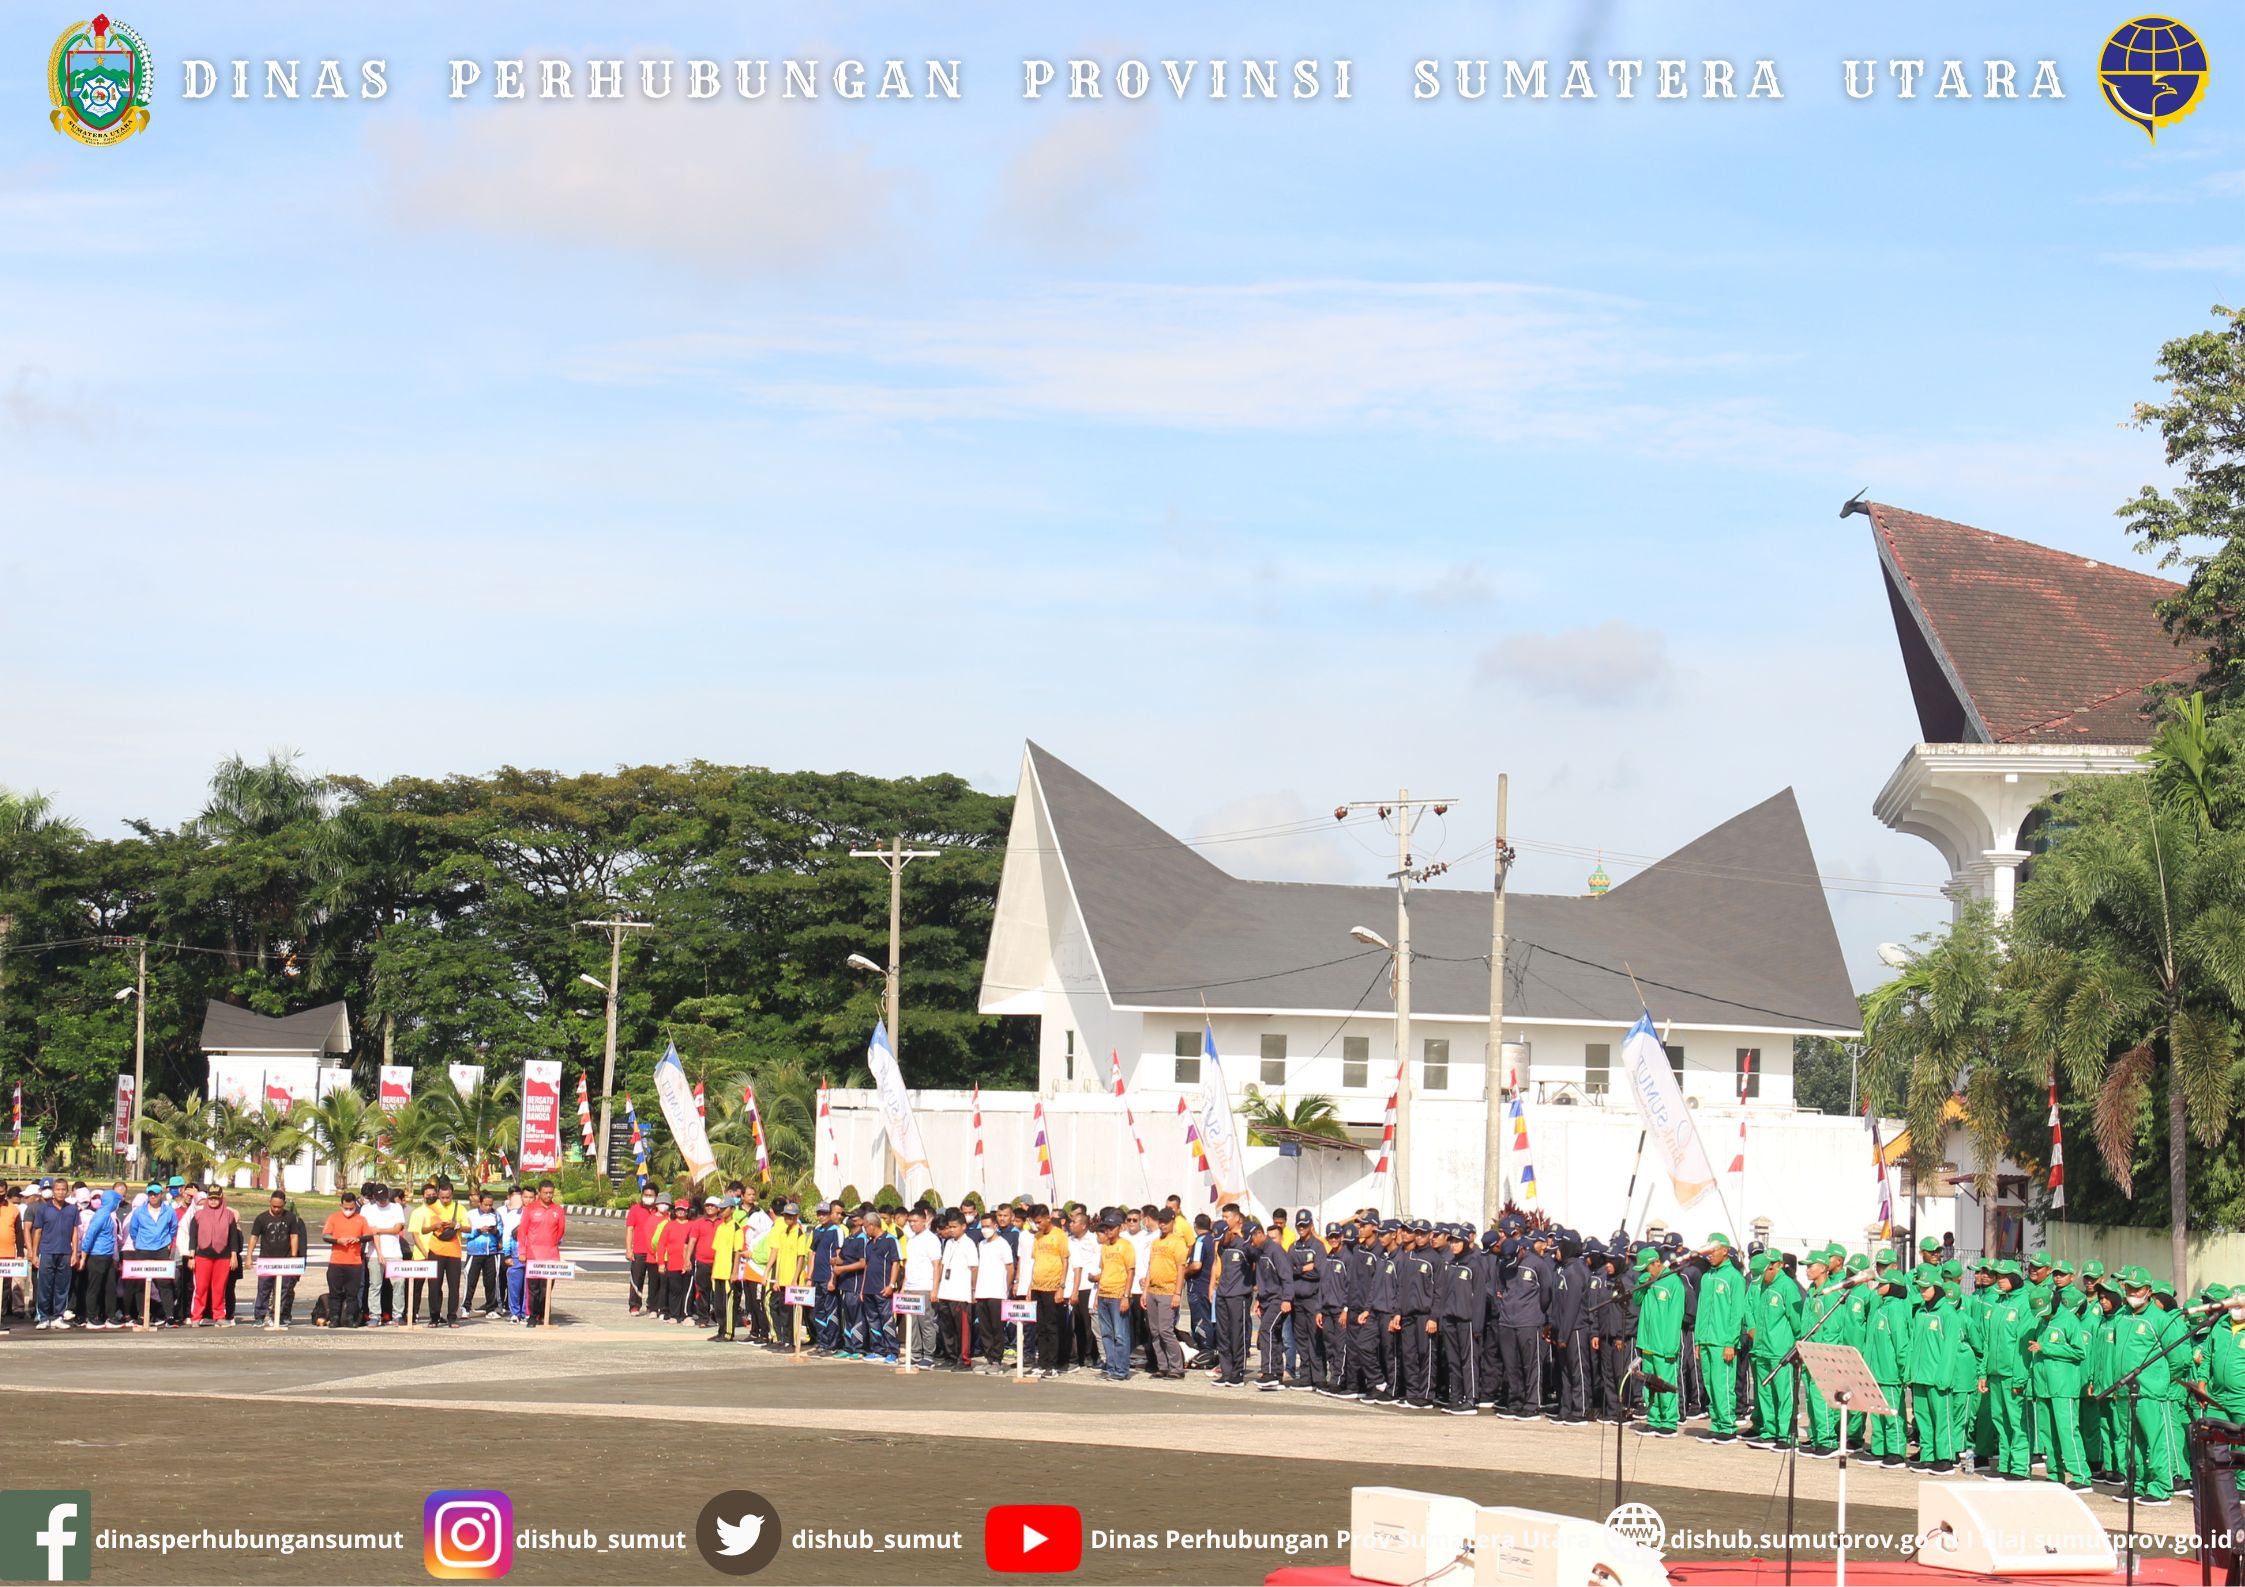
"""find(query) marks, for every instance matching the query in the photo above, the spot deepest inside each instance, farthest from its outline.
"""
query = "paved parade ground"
(613, 1432)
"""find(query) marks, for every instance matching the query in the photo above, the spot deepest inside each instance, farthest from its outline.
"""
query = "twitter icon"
(739, 1532)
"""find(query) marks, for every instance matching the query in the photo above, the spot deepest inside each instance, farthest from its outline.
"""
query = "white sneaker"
(37, 1326)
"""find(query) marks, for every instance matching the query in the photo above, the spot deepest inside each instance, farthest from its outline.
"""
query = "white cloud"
(1614, 663)
(1274, 837)
(726, 190)
(1062, 192)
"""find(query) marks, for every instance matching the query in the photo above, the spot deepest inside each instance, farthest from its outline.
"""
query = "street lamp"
(1366, 934)
(858, 961)
(593, 981)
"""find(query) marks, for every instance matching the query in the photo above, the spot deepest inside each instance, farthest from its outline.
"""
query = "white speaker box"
(1536, 1548)
(1401, 1536)
(2017, 1528)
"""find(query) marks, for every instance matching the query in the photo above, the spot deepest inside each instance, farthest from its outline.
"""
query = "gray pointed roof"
(326, 1029)
(1730, 930)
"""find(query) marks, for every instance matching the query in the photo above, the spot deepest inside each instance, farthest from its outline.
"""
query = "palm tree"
(1940, 1029)
(476, 1124)
(1315, 1114)
(2132, 932)
(268, 1134)
(252, 804)
(24, 814)
(341, 1128)
(189, 1137)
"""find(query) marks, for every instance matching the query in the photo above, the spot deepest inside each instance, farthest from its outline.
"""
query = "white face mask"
(646, 1201)
(2138, 1302)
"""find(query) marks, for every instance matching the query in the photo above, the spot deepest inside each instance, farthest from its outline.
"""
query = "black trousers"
(444, 1288)
(1488, 1377)
(1087, 1327)
(1332, 1347)
(343, 1294)
(272, 1305)
(1366, 1352)
(991, 1318)
(1522, 1349)
(698, 1303)
(1571, 1366)
(1414, 1357)
(1455, 1338)
(1617, 1350)
(676, 1288)
(534, 1300)
(1049, 1319)
(484, 1270)
(1268, 1342)
(1231, 1338)
(159, 1305)
(639, 1279)
(99, 1303)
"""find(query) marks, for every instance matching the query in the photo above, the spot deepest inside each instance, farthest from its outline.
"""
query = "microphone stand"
(2128, 1382)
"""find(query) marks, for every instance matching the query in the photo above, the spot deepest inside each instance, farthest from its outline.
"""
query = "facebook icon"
(46, 1535)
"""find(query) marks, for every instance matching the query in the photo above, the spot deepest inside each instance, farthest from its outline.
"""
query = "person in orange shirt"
(1165, 1291)
(346, 1235)
(11, 1247)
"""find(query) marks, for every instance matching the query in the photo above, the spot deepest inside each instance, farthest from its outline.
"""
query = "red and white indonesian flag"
(541, 1115)
(913, 1172)
(676, 1094)
(396, 1085)
(1660, 1104)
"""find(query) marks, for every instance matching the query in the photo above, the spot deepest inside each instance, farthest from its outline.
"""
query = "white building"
(2028, 666)
(253, 1059)
(1120, 939)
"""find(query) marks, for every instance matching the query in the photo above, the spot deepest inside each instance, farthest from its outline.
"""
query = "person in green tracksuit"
(1966, 1384)
(1773, 1321)
(1660, 1338)
(2218, 1365)
(1929, 1367)
(1823, 1319)
(1886, 1338)
(2055, 1350)
(1854, 1327)
(1719, 1334)
(1979, 1414)
(2177, 1398)
(2010, 1320)
(2041, 1279)
(2139, 1344)
(2097, 1374)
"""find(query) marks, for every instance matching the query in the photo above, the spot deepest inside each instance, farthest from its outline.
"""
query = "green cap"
(2039, 1259)
(1885, 1256)
(1858, 1263)
(2162, 1287)
(1766, 1259)
(1929, 1245)
(2064, 1269)
(1647, 1256)
(1952, 1269)
(2217, 1292)
(2133, 1277)
(1715, 1239)
(2093, 1269)
(2007, 1268)
(1924, 1275)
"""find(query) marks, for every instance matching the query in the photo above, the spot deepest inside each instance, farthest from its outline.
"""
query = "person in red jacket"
(705, 1259)
(538, 1239)
(639, 1228)
(674, 1254)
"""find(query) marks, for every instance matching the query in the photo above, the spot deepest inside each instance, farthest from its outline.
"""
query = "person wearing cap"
(672, 1249)
(2140, 1344)
(884, 1274)
(1329, 1324)
(1719, 1329)
(1773, 1324)
(1823, 1320)
(2055, 1348)
(1360, 1263)
(2103, 1417)
(12, 1248)
(640, 1224)
(1886, 1341)
(1165, 1291)
(1234, 1285)
(1118, 1261)
(1931, 1364)
(700, 1299)
(1660, 1340)
(346, 1236)
(1274, 1299)
(2217, 1375)
(150, 1229)
(1567, 1322)
(2011, 1323)
(1520, 1324)
(1306, 1259)
(545, 1224)
(1458, 1305)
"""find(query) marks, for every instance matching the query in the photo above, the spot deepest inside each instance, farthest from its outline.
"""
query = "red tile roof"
(2039, 646)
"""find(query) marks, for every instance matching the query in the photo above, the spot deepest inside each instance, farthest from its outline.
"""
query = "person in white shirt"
(758, 1224)
(386, 1219)
(1083, 1263)
(954, 1294)
(993, 1286)
(923, 1263)
(1138, 1229)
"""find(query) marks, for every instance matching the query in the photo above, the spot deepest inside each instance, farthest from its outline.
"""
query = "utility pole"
(896, 857)
(612, 986)
(140, 1040)
(1492, 1182)
(1405, 810)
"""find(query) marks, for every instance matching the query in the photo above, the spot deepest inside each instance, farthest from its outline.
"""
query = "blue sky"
(1250, 457)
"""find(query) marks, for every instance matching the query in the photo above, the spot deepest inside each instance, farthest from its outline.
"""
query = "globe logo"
(2154, 72)
(1641, 1524)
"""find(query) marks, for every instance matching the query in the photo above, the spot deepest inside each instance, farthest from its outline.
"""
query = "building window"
(1188, 1057)
(1434, 1070)
(1675, 1059)
(1068, 1058)
(1356, 1062)
(1598, 1065)
(1749, 1072)
(1274, 1062)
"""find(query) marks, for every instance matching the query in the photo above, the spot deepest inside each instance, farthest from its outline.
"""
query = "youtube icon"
(1037, 1538)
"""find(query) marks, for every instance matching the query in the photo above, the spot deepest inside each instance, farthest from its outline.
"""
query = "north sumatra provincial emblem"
(98, 79)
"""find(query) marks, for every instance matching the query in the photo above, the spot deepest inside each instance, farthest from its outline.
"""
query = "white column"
(2003, 878)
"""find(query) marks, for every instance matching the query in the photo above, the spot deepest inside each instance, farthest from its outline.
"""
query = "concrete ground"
(616, 1426)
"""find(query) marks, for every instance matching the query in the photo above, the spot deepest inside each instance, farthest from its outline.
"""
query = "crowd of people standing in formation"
(1996, 1366)
(78, 1238)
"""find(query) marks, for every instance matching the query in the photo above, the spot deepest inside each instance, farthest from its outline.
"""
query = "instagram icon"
(467, 1534)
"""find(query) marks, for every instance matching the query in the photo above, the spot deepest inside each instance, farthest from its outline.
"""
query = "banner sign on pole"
(403, 1269)
(132, 1269)
(280, 1267)
(541, 1115)
(1660, 1104)
(124, 1132)
(913, 1172)
(798, 1295)
(687, 1132)
(396, 1086)
(908, 1305)
(550, 1269)
(465, 1077)
(15, 1267)
(1017, 1311)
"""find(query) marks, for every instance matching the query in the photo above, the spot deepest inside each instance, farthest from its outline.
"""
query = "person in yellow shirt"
(1048, 1276)
(727, 1248)
(785, 1254)
(1118, 1261)
(435, 1229)
(1165, 1291)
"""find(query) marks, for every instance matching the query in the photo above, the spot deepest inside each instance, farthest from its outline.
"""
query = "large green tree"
(2199, 525)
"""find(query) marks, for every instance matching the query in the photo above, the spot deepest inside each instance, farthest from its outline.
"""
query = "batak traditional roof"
(1731, 930)
(2011, 643)
(326, 1029)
